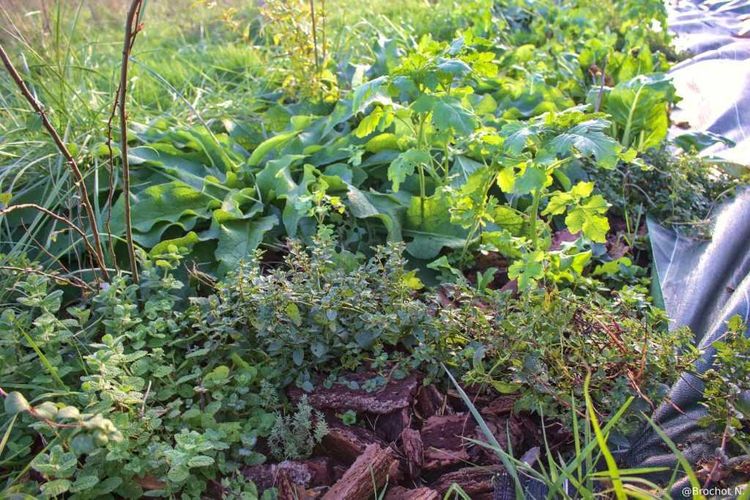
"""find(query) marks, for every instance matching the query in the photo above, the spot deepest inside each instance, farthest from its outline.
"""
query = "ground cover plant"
(294, 249)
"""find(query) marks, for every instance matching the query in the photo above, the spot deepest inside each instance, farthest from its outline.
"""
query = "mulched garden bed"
(413, 438)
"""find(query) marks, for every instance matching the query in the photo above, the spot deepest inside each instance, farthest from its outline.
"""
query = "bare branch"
(131, 30)
(80, 183)
(59, 218)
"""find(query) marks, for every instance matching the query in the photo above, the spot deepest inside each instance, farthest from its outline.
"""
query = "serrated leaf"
(527, 179)
(369, 123)
(367, 93)
(517, 136)
(405, 164)
(527, 270)
(449, 114)
(200, 461)
(588, 138)
(83, 483)
(588, 218)
(55, 488)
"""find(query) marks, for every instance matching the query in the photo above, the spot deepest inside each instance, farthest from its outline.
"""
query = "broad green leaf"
(527, 179)
(527, 270)
(187, 242)
(449, 114)
(385, 207)
(297, 206)
(55, 488)
(160, 206)
(276, 181)
(589, 219)
(274, 143)
(382, 142)
(405, 164)
(368, 93)
(463, 167)
(200, 461)
(588, 138)
(486, 105)
(517, 136)
(508, 218)
(369, 123)
(640, 109)
(528, 98)
(698, 141)
(453, 67)
(432, 230)
(239, 239)
(83, 483)
(276, 177)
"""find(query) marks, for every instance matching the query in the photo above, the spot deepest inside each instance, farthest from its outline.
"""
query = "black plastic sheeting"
(715, 82)
(704, 283)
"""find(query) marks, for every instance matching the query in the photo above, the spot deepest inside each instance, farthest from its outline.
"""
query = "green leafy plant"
(298, 29)
(294, 436)
(532, 344)
(726, 393)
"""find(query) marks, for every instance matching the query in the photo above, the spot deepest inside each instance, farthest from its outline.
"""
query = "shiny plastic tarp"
(714, 82)
(704, 283)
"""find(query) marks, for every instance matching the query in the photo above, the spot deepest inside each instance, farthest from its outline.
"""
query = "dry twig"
(80, 183)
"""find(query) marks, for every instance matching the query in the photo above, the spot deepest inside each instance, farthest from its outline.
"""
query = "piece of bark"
(430, 402)
(411, 447)
(368, 473)
(346, 443)
(389, 426)
(443, 440)
(321, 471)
(287, 489)
(306, 473)
(504, 428)
(401, 493)
(501, 405)
(446, 431)
(395, 395)
(475, 481)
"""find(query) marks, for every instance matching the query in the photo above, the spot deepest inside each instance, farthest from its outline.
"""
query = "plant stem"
(599, 97)
(631, 113)
(80, 183)
(131, 30)
(422, 192)
(533, 216)
(314, 35)
(55, 216)
(420, 168)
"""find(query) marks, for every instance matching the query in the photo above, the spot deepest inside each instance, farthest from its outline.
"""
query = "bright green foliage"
(154, 395)
(585, 213)
(542, 346)
(726, 393)
(509, 128)
(494, 99)
(639, 108)
(294, 436)
(684, 198)
(405, 165)
(297, 30)
(331, 310)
